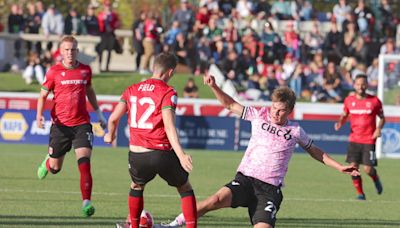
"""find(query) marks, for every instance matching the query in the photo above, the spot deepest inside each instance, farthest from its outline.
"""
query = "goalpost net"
(388, 91)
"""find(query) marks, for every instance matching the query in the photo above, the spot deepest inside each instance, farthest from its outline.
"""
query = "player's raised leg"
(49, 164)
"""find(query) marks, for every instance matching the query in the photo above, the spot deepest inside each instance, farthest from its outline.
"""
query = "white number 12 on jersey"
(142, 122)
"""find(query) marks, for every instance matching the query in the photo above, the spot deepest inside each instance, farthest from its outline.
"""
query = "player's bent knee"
(138, 187)
(185, 187)
(83, 160)
(55, 170)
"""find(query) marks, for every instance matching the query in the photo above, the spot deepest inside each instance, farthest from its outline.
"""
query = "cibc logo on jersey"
(277, 131)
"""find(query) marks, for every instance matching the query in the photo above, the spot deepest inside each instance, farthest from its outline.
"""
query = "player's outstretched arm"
(224, 98)
(169, 125)
(113, 121)
(323, 157)
(91, 95)
(40, 107)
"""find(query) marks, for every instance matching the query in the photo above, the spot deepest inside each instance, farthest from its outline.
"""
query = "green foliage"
(314, 196)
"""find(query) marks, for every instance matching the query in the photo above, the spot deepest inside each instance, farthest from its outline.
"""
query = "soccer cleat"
(42, 170)
(378, 186)
(122, 225)
(88, 210)
(361, 196)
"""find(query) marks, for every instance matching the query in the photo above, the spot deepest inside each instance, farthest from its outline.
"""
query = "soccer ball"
(146, 219)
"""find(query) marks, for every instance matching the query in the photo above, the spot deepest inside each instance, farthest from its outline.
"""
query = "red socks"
(357, 182)
(86, 178)
(189, 209)
(135, 203)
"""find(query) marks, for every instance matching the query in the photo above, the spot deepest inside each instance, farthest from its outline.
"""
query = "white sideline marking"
(199, 196)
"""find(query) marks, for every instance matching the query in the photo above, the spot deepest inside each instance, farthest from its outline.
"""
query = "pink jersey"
(362, 117)
(69, 89)
(145, 101)
(270, 147)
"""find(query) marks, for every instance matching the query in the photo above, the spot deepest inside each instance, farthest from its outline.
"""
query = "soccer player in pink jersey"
(154, 143)
(362, 110)
(70, 82)
(257, 184)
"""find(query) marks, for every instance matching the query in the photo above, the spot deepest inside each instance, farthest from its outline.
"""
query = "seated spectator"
(231, 34)
(364, 17)
(190, 90)
(331, 43)
(271, 47)
(292, 40)
(230, 67)
(388, 20)
(34, 69)
(339, 12)
(185, 16)
(73, 24)
(296, 80)
(314, 39)
(373, 76)
(203, 55)
(181, 49)
(219, 53)
(202, 19)
(288, 68)
(281, 10)
(348, 42)
(244, 8)
(331, 83)
(301, 10)
(262, 6)
(258, 22)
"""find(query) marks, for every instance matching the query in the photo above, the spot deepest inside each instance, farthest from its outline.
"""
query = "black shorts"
(263, 200)
(143, 167)
(361, 154)
(62, 138)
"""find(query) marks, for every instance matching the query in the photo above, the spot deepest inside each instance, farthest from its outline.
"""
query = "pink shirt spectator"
(270, 147)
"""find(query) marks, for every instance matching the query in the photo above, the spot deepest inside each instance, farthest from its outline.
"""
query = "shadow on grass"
(207, 221)
(43, 221)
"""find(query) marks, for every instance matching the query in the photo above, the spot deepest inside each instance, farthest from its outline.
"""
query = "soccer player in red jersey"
(154, 144)
(70, 82)
(362, 110)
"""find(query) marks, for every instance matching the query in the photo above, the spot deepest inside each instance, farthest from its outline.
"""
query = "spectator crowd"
(246, 39)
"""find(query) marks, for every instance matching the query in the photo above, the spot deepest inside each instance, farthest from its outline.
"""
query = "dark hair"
(361, 76)
(284, 94)
(164, 62)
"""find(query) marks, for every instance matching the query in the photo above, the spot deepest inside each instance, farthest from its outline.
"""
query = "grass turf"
(314, 196)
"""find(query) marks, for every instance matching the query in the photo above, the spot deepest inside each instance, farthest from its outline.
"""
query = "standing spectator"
(362, 110)
(52, 24)
(32, 25)
(70, 82)
(90, 21)
(108, 23)
(15, 26)
(74, 24)
(296, 80)
(151, 38)
(137, 37)
(154, 146)
(331, 83)
(170, 35)
(339, 12)
(203, 55)
(185, 16)
(348, 42)
(40, 8)
(202, 19)
(231, 35)
(190, 90)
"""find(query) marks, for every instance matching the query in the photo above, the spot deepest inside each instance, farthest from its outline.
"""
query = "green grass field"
(314, 196)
